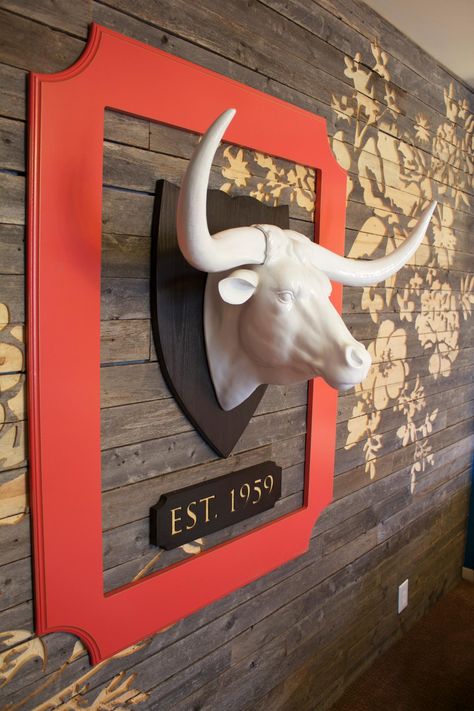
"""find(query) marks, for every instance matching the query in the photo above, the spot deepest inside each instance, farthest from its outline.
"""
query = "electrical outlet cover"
(402, 596)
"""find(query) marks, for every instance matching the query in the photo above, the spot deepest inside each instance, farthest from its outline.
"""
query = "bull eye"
(286, 297)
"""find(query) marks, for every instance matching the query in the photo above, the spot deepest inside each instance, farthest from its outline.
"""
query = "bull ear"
(239, 286)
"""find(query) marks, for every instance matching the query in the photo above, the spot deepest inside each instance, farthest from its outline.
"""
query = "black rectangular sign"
(184, 515)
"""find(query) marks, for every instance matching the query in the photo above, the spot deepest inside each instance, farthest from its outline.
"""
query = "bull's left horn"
(360, 272)
(224, 250)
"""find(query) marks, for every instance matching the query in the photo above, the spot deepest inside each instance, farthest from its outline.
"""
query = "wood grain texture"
(401, 125)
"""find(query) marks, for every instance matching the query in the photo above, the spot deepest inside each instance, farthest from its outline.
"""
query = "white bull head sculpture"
(267, 314)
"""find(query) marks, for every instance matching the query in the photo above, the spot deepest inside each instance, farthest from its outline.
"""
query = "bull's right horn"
(363, 272)
(224, 250)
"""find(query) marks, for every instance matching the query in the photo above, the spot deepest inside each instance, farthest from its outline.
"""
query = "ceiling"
(443, 29)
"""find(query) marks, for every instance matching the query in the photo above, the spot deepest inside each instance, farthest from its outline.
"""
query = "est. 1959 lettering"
(186, 514)
(245, 492)
(192, 514)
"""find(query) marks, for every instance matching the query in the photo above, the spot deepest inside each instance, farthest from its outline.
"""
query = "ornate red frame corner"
(64, 252)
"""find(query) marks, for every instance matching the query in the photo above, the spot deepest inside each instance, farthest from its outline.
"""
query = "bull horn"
(224, 250)
(360, 272)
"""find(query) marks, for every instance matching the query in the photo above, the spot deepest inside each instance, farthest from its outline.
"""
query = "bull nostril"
(356, 356)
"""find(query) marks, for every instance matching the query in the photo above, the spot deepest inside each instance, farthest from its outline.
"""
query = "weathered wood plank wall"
(403, 128)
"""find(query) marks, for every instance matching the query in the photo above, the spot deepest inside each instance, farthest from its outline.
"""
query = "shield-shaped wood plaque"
(177, 302)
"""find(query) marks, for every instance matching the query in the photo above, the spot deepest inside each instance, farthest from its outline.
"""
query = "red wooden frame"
(65, 208)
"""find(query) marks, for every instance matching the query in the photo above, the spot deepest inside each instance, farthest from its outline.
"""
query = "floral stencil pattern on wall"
(396, 179)
(117, 693)
(13, 501)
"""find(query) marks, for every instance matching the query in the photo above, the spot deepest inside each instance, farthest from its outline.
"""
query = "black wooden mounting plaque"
(177, 300)
(184, 515)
